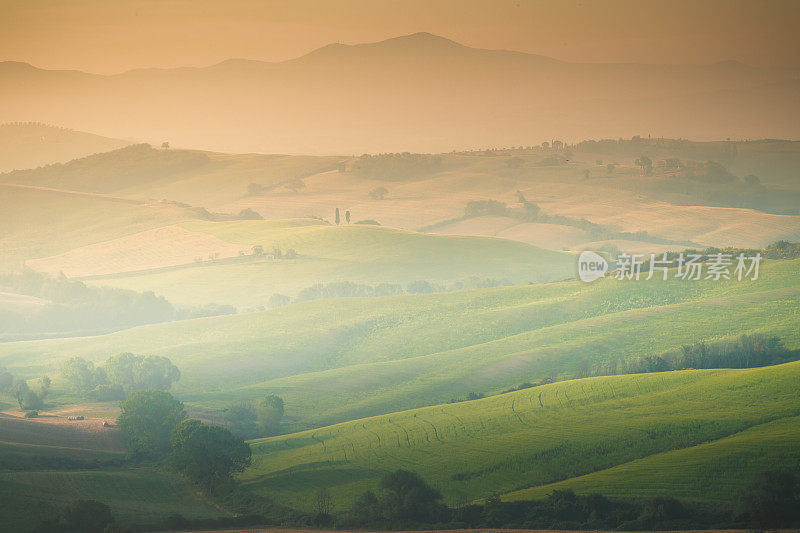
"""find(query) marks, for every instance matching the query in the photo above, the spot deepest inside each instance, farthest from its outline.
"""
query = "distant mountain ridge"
(419, 92)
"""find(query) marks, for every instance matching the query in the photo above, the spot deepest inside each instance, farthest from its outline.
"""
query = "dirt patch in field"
(60, 432)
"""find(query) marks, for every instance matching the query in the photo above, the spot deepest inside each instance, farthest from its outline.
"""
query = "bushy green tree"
(409, 497)
(137, 372)
(419, 287)
(26, 398)
(241, 419)
(405, 498)
(208, 455)
(645, 163)
(81, 374)
(147, 421)
(270, 413)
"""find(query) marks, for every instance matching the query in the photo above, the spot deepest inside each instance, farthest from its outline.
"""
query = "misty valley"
(401, 285)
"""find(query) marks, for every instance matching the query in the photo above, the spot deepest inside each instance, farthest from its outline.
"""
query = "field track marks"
(405, 432)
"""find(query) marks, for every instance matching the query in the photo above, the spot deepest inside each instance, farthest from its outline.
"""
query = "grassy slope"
(362, 254)
(335, 360)
(38, 223)
(541, 435)
(709, 472)
(136, 495)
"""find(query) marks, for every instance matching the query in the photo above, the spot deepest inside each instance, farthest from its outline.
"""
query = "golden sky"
(109, 36)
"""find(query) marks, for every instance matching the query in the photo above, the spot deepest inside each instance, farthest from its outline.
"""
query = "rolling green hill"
(709, 431)
(710, 472)
(336, 360)
(328, 253)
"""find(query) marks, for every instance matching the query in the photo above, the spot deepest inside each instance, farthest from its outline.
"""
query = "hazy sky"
(108, 36)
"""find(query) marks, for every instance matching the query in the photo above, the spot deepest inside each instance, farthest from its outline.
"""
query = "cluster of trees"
(782, 250)
(28, 399)
(277, 253)
(405, 500)
(154, 426)
(470, 396)
(73, 306)
(529, 385)
(530, 212)
(396, 166)
(120, 375)
(776, 250)
(349, 289)
(653, 147)
(248, 419)
(747, 351)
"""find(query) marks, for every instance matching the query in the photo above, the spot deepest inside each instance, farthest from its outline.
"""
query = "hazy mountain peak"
(421, 38)
(405, 46)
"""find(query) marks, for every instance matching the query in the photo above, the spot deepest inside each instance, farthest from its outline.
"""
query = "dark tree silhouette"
(208, 455)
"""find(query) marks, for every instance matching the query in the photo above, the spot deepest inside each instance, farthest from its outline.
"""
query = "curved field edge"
(528, 438)
(712, 472)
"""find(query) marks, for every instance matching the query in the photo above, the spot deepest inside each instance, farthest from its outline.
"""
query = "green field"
(136, 495)
(554, 432)
(336, 360)
(712, 472)
(327, 253)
